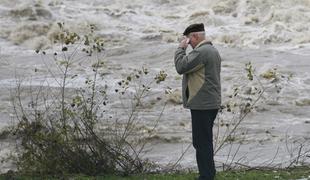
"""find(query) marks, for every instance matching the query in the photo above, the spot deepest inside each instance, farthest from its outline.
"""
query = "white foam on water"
(235, 23)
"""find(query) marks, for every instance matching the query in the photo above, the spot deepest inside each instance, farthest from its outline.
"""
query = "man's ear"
(195, 36)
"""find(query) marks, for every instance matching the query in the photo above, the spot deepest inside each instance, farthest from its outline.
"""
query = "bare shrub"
(59, 126)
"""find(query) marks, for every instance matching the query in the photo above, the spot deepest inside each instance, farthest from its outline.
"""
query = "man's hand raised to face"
(184, 43)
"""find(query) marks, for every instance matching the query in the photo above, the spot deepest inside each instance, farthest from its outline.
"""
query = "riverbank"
(295, 173)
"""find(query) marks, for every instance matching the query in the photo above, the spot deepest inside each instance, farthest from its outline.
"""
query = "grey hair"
(200, 33)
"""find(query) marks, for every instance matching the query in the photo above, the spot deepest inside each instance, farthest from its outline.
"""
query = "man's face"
(192, 39)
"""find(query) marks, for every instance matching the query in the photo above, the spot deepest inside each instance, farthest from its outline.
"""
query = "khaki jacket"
(201, 84)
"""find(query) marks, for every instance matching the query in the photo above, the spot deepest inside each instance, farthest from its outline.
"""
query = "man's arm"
(187, 64)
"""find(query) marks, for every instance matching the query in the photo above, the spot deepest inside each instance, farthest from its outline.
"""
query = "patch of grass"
(282, 174)
(293, 173)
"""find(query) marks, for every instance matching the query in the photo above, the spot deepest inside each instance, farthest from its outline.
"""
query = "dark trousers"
(202, 124)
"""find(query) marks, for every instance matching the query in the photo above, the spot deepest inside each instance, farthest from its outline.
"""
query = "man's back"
(201, 76)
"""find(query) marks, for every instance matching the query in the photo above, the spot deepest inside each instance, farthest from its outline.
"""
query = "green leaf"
(59, 25)
(64, 49)
(86, 42)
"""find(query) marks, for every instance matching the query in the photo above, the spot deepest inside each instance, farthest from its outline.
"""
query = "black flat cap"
(194, 28)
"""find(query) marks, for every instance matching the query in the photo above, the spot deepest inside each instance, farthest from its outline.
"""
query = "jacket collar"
(203, 42)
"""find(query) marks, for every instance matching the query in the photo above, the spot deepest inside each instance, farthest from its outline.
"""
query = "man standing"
(201, 92)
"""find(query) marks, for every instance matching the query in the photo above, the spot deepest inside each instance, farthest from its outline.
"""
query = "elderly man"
(201, 92)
